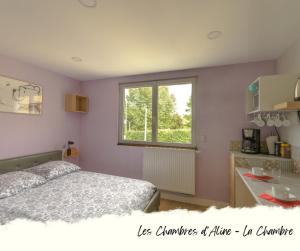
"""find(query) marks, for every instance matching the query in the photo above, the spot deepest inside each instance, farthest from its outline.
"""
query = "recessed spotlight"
(88, 3)
(76, 59)
(214, 35)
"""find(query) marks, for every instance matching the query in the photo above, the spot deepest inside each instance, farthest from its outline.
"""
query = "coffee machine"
(251, 140)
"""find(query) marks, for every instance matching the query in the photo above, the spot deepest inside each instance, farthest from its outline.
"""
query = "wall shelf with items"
(266, 91)
(76, 103)
(287, 106)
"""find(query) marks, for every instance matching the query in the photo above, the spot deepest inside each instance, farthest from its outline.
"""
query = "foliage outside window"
(157, 113)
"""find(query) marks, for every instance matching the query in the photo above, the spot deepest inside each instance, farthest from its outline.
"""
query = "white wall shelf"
(271, 90)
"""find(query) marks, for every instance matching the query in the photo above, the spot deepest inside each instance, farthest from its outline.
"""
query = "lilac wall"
(220, 116)
(29, 134)
(220, 113)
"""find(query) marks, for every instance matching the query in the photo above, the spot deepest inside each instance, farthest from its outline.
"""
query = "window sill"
(155, 145)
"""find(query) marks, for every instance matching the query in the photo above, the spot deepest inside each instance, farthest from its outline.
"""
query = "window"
(157, 113)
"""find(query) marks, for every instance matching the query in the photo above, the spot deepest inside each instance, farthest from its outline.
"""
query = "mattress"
(78, 195)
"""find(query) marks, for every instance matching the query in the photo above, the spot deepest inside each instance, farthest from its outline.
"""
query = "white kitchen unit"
(248, 191)
(270, 90)
(240, 194)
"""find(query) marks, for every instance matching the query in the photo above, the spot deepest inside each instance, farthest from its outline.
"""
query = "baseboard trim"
(193, 200)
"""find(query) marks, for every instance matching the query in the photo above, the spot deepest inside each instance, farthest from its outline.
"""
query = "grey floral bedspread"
(76, 196)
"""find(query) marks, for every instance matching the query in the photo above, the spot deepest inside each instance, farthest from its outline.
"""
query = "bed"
(73, 196)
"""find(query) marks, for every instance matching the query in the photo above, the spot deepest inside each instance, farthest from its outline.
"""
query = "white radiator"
(170, 169)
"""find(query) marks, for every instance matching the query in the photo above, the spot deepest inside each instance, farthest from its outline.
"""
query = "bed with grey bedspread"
(77, 195)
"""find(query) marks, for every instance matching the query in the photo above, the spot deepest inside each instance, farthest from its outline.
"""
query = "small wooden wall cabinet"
(76, 103)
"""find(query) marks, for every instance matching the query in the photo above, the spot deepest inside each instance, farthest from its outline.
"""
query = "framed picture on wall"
(20, 97)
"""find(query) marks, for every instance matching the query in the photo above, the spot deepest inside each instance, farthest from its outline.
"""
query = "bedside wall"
(28, 134)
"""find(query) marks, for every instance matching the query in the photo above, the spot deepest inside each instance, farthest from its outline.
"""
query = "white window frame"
(155, 84)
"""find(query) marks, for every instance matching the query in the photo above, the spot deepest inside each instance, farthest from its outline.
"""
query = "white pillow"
(14, 182)
(53, 169)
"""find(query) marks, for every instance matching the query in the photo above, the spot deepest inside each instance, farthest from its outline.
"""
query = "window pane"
(175, 113)
(137, 114)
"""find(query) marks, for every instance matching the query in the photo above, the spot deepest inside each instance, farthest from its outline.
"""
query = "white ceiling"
(126, 37)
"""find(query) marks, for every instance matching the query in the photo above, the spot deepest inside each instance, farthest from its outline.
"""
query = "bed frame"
(19, 163)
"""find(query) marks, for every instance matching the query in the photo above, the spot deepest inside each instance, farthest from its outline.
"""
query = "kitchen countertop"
(258, 187)
(259, 156)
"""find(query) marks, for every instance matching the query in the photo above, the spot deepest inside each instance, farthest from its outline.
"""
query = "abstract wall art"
(20, 97)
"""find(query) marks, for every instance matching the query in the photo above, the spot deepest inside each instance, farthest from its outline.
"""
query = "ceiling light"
(214, 35)
(88, 3)
(76, 59)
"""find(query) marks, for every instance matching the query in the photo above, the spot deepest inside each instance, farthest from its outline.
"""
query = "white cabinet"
(267, 91)
(243, 197)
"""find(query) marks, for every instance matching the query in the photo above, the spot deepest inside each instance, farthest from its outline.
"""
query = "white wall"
(289, 62)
